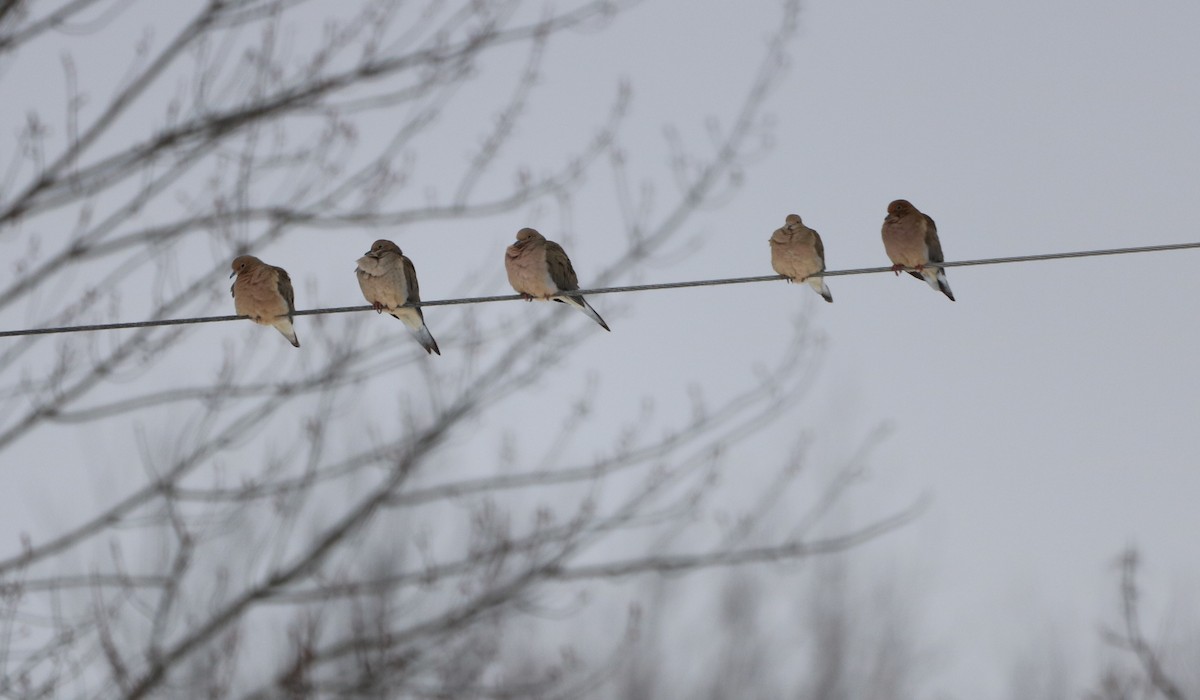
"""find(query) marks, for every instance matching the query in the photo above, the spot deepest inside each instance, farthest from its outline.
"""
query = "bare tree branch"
(335, 522)
(1133, 638)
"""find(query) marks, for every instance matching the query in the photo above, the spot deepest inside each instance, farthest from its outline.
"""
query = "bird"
(798, 253)
(389, 281)
(910, 239)
(264, 293)
(540, 269)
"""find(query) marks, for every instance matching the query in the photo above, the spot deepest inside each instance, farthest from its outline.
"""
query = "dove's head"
(244, 262)
(793, 219)
(526, 235)
(382, 246)
(901, 207)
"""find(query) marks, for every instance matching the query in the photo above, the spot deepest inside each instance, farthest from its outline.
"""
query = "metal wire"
(613, 290)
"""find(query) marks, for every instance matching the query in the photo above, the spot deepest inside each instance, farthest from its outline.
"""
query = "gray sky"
(1050, 412)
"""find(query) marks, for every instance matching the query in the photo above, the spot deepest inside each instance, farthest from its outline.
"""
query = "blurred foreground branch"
(218, 522)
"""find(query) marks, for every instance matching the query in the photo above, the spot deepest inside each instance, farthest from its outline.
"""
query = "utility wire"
(614, 290)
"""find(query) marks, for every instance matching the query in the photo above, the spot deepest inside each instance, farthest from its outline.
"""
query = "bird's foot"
(378, 307)
(920, 268)
(526, 297)
(897, 268)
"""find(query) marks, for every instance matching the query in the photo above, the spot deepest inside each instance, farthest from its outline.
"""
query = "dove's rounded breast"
(386, 287)
(904, 241)
(529, 274)
(256, 294)
(796, 258)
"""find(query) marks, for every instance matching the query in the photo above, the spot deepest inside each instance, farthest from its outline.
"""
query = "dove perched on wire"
(798, 253)
(910, 239)
(264, 293)
(540, 269)
(389, 281)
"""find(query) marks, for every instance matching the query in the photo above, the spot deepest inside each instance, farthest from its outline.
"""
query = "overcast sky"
(1051, 412)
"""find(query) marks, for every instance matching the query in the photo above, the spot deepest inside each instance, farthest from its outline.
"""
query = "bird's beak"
(231, 274)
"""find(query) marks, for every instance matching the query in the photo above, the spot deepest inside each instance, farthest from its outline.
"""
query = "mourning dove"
(540, 269)
(910, 239)
(389, 281)
(797, 253)
(264, 293)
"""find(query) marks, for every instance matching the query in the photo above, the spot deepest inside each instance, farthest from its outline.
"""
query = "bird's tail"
(416, 323)
(942, 285)
(580, 303)
(284, 326)
(818, 283)
(425, 338)
(936, 278)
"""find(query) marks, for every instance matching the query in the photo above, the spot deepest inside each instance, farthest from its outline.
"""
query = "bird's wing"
(284, 284)
(412, 289)
(559, 267)
(932, 244)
